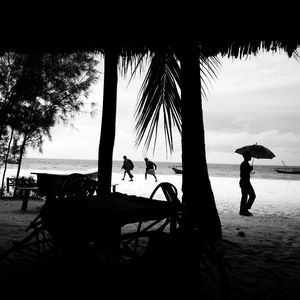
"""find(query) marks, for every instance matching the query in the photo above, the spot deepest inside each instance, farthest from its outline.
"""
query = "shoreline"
(164, 168)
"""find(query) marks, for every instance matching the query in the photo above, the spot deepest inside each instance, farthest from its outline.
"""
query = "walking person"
(127, 167)
(150, 168)
(246, 186)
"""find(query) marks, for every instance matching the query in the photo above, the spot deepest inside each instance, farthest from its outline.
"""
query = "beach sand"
(262, 251)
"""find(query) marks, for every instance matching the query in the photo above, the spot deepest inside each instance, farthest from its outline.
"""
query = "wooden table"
(100, 219)
(130, 208)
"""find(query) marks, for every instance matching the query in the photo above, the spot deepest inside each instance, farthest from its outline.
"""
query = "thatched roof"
(92, 30)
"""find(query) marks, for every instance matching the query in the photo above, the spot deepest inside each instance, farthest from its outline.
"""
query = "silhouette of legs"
(252, 197)
(243, 204)
(246, 204)
(149, 172)
(129, 174)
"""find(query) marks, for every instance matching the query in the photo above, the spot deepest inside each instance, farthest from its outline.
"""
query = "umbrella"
(256, 151)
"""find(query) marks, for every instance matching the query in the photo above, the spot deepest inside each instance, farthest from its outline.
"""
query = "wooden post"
(25, 196)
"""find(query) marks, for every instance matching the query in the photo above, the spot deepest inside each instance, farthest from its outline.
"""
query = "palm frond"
(209, 67)
(159, 91)
(296, 55)
(159, 96)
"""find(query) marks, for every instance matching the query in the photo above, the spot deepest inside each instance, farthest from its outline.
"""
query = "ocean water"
(77, 165)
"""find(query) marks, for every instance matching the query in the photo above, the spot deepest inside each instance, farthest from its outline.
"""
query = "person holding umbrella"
(246, 186)
(254, 151)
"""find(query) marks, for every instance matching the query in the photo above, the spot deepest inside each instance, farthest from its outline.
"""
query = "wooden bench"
(10, 182)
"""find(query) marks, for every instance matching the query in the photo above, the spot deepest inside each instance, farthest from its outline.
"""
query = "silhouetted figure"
(150, 168)
(127, 167)
(246, 187)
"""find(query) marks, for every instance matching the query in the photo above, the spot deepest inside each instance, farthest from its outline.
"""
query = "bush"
(26, 181)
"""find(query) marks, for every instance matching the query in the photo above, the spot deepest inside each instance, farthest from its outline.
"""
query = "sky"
(255, 99)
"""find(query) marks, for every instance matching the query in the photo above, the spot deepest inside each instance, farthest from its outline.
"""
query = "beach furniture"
(77, 225)
(172, 216)
(76, 222)
(38, 241)
(10, 182)
(24, 191)
(98, 222)
(49, 183)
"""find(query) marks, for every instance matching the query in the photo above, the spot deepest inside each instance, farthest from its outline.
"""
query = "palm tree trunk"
(197, 192)
(107, 135)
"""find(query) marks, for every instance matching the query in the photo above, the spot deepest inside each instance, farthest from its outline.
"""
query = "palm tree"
(160, 92)
(200, 201)
(107, 135)
(114, 58)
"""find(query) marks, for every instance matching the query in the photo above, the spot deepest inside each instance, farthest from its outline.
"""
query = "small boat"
(177, 169)
(288, 170)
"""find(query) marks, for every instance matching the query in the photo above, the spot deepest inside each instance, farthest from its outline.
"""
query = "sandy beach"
(263, 251)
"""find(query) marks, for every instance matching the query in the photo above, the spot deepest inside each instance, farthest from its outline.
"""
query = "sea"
(78, 165)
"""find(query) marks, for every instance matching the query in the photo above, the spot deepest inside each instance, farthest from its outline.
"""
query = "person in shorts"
(150, 168)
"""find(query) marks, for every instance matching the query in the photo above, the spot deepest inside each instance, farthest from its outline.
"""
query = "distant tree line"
(38, 90)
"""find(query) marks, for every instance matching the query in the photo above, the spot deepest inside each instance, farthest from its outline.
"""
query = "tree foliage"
(39, 89)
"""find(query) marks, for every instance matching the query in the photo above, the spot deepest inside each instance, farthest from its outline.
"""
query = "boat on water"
(177, 169)
(288, 170)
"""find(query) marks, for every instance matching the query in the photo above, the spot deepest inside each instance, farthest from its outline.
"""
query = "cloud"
(260, 94)
(256, 73)
(284, 145)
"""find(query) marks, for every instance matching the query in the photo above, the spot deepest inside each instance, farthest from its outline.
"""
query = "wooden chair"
(76, 189)
(176, 209)
(174, 218)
